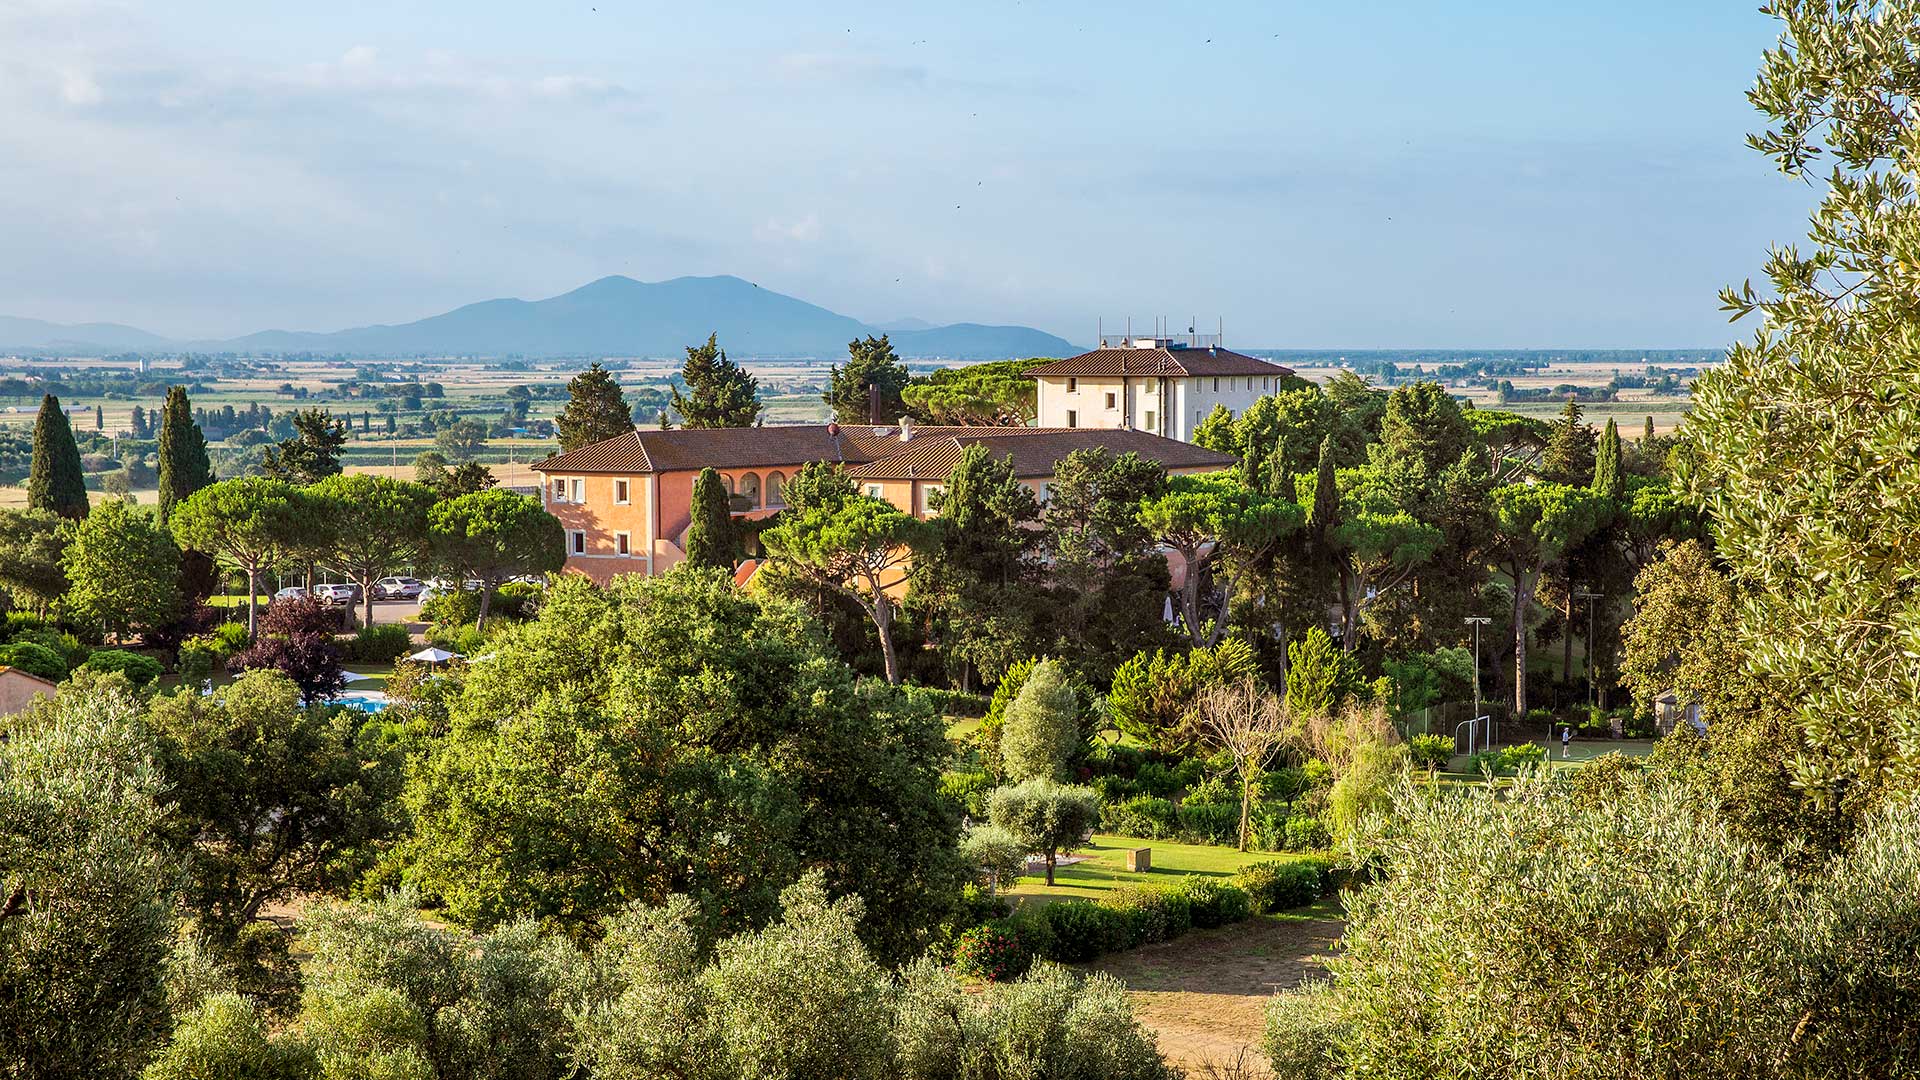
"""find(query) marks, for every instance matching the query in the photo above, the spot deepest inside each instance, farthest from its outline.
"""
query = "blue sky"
(1317, 175)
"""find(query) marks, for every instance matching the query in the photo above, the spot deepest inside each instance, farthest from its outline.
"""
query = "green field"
(1105, 870)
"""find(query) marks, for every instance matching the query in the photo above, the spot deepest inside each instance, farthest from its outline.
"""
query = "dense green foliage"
(494, 536)
(719, 394)
(703, 744)
(596, 410)
(867, 388)
(123, 572)
(994, 393)
(87, 916)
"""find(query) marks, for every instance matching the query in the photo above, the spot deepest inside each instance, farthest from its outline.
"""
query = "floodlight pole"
(1589, 596)
(1477, 621)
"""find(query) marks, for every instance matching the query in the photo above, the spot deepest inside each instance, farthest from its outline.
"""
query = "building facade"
(1161, 386)
(626, 503)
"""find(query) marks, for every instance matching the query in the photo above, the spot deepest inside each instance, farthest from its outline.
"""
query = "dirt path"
(1205, 994)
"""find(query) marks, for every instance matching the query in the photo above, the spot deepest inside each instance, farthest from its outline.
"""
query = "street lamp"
(1589, 596)
(1478, 621)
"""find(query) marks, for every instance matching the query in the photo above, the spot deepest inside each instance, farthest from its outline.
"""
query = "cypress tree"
(99, 418)
(1646, 436)
(55, 482)
(1570, 449)
(1608, 480)
(184, 468)
(139, 422)
(1325, 512)
(596, 410)
(719, 394)
(710, 537)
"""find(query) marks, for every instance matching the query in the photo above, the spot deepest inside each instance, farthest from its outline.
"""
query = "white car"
(291, 592)
(337, 594)
(397, 588)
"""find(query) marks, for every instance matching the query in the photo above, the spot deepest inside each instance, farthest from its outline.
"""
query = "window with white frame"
(876, 491)
(1112, 400)
(559, 489)
(1149, 421)
(622, 544)
(577, 490)
(1216, 386)
(620, 493)
(1073, 418)
(577, 542)
(1073, 386)
(927, 494)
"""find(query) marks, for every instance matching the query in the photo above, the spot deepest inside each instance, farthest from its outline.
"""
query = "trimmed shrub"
(1143, 816)
(379, 644)
(1279, 886)
(1082, 930)
(58, 642)
(991, 951)
(1215, 902)
(1210, 822)
(34, 660)
(1154, 778)
(1151, 913)
(1031, 927)
(139, 670)
(1430, 751)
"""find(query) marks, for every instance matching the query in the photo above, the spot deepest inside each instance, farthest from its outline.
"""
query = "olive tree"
(86, 887)
(1045, 816)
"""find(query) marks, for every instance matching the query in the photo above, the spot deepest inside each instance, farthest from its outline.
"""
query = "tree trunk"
(366, 596)
(1190, 598)
(1246, 808)
(1051, 855)
(486, 604)
(1523, 583)
(883, 621)
(253, 592)
(1566, 638)
(1349, 609)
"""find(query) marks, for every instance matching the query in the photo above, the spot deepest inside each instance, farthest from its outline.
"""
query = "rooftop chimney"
(906, 430)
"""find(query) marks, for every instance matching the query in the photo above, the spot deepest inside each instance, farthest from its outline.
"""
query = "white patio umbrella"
(434, 656)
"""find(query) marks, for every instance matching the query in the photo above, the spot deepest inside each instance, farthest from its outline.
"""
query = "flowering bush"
(989, 952)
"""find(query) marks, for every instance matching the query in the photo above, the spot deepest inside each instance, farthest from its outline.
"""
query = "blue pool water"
(367, 701)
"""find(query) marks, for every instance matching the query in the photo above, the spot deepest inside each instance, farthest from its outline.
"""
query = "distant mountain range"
(614, 316)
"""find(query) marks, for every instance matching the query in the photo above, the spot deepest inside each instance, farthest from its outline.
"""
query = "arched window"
(727, 480)
(776, 489)
(750, 490)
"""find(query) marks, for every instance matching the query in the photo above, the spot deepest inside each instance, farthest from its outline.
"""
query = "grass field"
(1105, 869)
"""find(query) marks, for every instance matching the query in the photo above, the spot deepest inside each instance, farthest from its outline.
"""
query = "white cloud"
(360, 56)
(79, 87)
(806, 230)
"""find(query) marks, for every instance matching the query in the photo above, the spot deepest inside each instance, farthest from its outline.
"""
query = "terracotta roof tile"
(1171, 362)
(1035, 452)
(874, 452)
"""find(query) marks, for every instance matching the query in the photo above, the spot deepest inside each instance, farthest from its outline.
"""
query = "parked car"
(291, 592)
(337, 594)
(397, 588)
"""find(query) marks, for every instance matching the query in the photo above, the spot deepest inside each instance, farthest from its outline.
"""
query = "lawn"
(1105, 869)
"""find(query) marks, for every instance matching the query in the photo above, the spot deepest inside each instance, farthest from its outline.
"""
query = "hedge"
(139, 670)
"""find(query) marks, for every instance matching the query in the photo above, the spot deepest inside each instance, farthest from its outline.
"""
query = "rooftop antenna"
(1222, 328)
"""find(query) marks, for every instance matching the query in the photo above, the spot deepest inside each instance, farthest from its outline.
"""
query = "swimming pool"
(367, 701)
